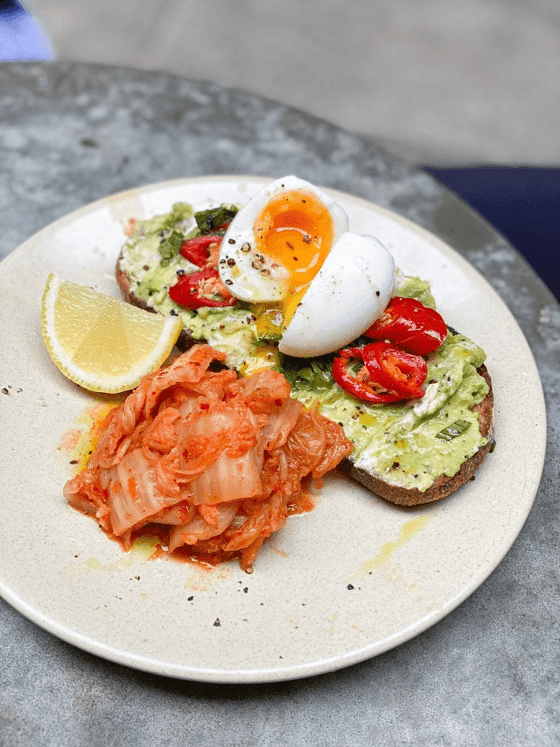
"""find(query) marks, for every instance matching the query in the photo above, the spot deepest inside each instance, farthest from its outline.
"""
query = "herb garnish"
(315, 377)
(453, 430)
(210, 221)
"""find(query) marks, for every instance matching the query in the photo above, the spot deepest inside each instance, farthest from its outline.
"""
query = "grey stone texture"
(439, 81)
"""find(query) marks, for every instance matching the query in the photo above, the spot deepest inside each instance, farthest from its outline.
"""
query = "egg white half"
(347, 295)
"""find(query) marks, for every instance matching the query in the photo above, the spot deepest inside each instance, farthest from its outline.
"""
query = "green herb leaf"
(315, 377)
(322, 376)
(210, 220)
(266, 340)
(305, 373)
(453, 430)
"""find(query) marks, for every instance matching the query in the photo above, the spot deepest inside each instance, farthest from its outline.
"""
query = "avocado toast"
(410, 452)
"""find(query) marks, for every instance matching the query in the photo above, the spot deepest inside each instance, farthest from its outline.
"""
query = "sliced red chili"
(187, 291)
(411, 325)
(196, 250)
(396, 370)
(356, 384)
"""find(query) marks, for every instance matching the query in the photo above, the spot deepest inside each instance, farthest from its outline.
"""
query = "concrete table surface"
(488, 673)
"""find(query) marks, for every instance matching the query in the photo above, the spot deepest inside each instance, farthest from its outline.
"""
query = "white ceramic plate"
(350, 580)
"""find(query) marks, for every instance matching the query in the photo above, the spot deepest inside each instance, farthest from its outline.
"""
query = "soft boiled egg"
(348, 294)
(289, 249)
(277, 243)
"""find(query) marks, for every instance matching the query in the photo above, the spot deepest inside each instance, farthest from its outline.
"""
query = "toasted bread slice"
(123, 279)
(441, 487)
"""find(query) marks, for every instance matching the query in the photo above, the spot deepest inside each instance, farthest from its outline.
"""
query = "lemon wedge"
(100, 343)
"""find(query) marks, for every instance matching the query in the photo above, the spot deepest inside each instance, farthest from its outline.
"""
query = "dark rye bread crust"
(442, 485)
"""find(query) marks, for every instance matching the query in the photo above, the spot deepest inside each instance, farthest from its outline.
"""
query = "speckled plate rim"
(458, 311)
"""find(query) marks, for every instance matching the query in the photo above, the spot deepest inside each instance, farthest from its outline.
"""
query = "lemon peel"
(101, 343)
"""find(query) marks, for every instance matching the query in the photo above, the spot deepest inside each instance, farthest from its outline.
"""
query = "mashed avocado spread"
(406, 444)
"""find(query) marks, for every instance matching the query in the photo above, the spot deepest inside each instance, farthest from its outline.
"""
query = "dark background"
(523, 203)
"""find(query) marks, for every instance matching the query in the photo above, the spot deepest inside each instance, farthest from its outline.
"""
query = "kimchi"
(218, 462)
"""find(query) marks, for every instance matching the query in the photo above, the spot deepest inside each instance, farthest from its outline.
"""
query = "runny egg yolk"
(296, 229)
